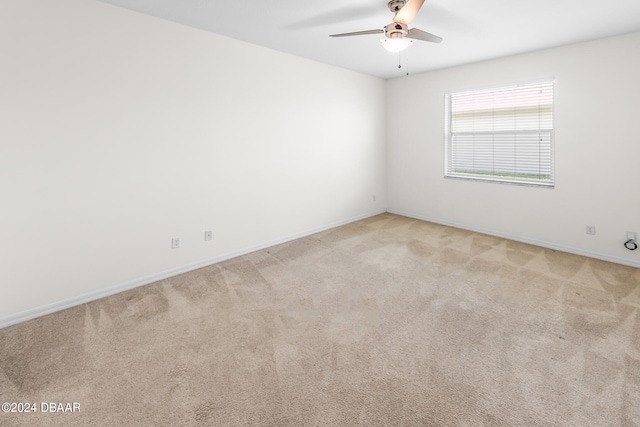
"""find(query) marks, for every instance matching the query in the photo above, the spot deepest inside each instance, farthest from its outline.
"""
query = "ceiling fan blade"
(407, 14)
(358, 33)
(417, 34)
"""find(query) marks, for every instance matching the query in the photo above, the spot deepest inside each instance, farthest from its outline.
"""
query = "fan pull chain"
(407, 63)
(400, 62)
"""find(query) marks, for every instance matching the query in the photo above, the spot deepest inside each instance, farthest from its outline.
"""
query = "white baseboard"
(544, 244)
(92, 296)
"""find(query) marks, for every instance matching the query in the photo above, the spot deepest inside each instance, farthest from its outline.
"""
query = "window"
(502, 134)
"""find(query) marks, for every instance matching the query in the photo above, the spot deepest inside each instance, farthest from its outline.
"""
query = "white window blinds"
(502, 134)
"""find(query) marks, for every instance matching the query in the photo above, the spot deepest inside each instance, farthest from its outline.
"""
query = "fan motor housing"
(396, 30)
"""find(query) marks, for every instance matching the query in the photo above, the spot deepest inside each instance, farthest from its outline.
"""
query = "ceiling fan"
(398, 35)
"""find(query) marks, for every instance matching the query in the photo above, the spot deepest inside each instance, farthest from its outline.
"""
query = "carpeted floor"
(388, 321)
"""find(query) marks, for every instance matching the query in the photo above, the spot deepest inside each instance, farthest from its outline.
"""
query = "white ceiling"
(473, 30)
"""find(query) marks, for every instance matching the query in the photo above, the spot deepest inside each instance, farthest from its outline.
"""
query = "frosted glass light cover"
(396, 44)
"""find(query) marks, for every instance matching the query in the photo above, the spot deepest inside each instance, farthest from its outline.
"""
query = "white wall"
(597, 150)
(120, 131)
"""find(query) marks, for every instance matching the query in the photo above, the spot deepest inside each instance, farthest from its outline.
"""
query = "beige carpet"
(388, 321)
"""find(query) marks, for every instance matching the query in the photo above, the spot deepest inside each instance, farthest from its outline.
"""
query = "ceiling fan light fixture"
(397, 44)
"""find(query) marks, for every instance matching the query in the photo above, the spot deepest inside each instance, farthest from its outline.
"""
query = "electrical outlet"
(175, 243)
(590, 229)
(631, 235)
(208, 235)
(374, 198)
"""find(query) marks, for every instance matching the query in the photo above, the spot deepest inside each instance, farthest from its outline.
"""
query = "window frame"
(494, 177)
